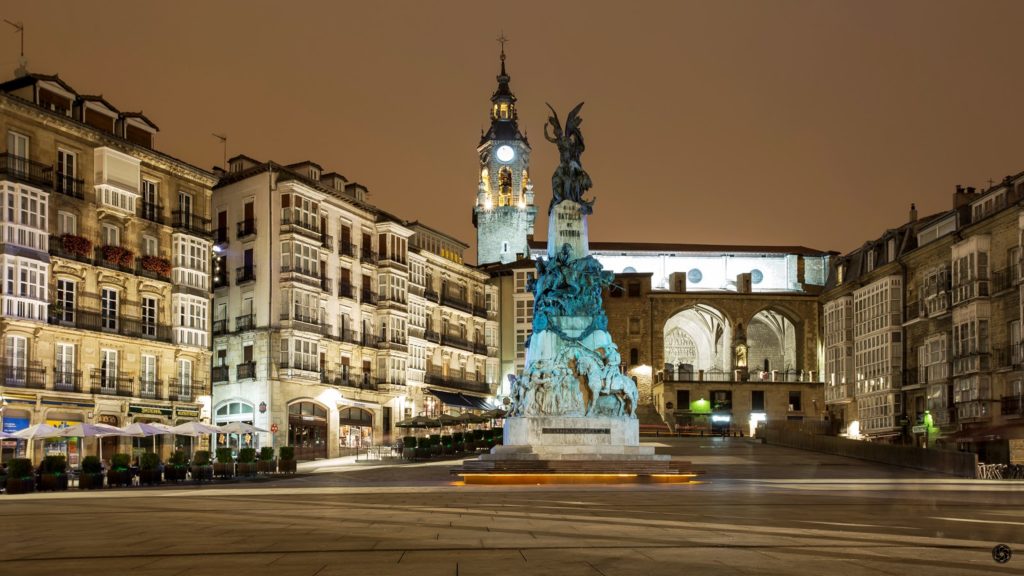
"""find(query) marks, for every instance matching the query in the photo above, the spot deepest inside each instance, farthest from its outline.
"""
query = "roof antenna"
(224, 142)
(22, 69)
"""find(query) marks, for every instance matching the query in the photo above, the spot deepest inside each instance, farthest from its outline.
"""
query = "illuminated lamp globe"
(505, 153)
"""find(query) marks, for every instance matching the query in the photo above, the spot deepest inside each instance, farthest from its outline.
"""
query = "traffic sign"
(273, 427)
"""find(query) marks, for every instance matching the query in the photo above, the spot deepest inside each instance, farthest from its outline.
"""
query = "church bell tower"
(504, 210)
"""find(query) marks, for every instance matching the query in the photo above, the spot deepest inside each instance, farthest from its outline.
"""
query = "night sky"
(808, 123)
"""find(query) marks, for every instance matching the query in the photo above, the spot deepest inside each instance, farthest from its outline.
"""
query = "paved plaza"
(758, 510)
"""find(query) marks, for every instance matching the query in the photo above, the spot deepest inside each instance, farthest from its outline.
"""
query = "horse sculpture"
(605, 379)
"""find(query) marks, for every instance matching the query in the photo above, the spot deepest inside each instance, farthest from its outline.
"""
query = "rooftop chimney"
(913, 212)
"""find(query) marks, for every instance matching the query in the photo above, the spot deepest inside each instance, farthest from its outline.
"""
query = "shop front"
(355, 430)
(235, 411)
(154, 414)
(14, 419)
(307, 430)
(70, 447)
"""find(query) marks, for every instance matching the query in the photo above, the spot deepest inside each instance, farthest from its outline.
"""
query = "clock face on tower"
(505, 153)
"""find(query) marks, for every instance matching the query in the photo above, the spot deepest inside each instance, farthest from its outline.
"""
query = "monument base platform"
(568, 450)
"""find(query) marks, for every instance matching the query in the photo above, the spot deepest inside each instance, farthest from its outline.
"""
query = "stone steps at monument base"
(572, 467)
(552, 456)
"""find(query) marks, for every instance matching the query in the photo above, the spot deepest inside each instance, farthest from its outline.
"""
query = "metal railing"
(310, 228)
(346, 290)
(1012, 405)
(245, 274)
(450, 381)
(67, 380)
(347, 249)
(123, 324)
(245, 228)
(25, 170)
(246, 322)
(152, 211)
(111, 384)
(194, 223)
(30, 375)
(219, 374)
(68, 185)
(245, 371)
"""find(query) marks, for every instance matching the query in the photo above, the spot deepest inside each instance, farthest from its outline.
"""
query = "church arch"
(772, 341)
(697, 337)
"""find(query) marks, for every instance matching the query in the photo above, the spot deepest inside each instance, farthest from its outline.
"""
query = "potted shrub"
(149, 469)
(119, 474)
(19, 476)
(499, 436)
(287, 464)
(422, 448)
(458, 442)
(54, 473)
(447, 447)
(409, 447)
(246, 462)
(266, 462)
(225, 465)
(435, 445)
(201, 468)
(176, 470)
(91, 476)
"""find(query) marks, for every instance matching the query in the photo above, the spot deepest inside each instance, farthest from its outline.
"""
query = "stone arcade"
(572, 415)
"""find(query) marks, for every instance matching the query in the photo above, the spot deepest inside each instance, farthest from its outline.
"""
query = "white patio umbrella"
(146, 429)
(194, 429)
(34, 432)
(84, 430)
(239, 428)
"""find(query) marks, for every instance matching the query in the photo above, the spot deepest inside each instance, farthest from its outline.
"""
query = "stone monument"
(571, 403)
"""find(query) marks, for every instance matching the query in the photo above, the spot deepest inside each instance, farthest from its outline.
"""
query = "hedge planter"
(90, 480)
(287, 463)
(149, 469)
(19, 476)
(225, 466)
(266, 464)
(246, 462)
(54, 474)
(202, 471)
(119, 474)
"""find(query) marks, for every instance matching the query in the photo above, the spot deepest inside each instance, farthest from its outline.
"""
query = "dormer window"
(871, 260)
(314, 174)
(237, 166)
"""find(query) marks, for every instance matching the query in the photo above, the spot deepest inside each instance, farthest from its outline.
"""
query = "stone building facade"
(333, 319)
(942, 349)
(105, 313)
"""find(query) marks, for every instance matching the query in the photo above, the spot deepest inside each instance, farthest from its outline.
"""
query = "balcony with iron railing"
(1003, 280)
(969, 290)
(122, 324)
(192, 223)
(393, 343)
(367, 296)
(432, 336)
(456, 341)
(68, 185)
(480, 311)
(220, 237)
(219, 327)
(327, 242)
(67, 380)
(111, 383)
(348, 379)
(188, 390)
(24, 170)
(305, 322)
(438, 378)
(347, 249)
(245, 228)
(1007, 357)
(453, 300)
(245, 371)
(245, 322)
(219, 374)
(292, 224)
(150, 389)
(430, 294)
(367, 257)
(346, 290)
(152, 211)
(326, 284)
(245, 274)
(115, 258)
(20, 375)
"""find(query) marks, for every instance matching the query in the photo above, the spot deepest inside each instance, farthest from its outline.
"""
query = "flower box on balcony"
(118, 255)
(161, 266)
(77, 245)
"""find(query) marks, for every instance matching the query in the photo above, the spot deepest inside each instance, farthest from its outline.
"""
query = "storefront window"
(307, 430)
(355, 429)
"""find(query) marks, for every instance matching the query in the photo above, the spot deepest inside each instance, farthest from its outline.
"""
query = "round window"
(756, 276)
(694, 276)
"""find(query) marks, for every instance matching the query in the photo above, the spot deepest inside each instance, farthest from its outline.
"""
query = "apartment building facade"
(106, 267)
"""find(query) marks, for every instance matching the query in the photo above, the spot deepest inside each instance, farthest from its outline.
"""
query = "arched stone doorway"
(307, 430)
(771, 346)
(697, 338)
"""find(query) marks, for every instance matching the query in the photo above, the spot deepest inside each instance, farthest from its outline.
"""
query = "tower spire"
(501, 40)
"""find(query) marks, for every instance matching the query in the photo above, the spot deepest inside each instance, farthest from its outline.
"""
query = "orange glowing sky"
(814, 123)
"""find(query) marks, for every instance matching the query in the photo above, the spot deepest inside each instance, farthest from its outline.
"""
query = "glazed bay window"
(24, 287)
(971, 340)
(300, 257)
(190, 326)
(191, 261)
(970, 273)
(300, 211)
(300, 354)
(108, 308)
(24, 216)
(933, 360)
(301, 305)
(972, 396)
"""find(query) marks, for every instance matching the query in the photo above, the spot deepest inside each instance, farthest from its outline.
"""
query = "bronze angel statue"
(570, 181)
